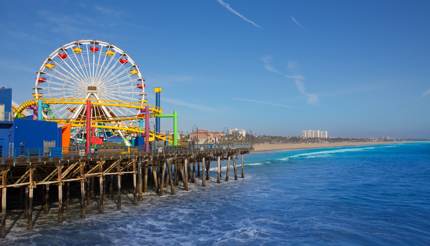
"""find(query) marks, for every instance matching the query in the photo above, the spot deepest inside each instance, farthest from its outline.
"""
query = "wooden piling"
(145, 176)
(208, 167)
(203, 171)
(243, 167)
(154, 177)
(163, 167)
(169, 172)
(218, 179)
(110, 180)
(193, 176)
(101, 187)
(82, 182)
(139, 179)
(185, 174)
(30, 199)
(26, 202)
(235, 167)
(60, 192)
(118, 178)
(46, 198)
(134, 169)
(227, 169)
(198, 169)
(3, 203)
(67, 203)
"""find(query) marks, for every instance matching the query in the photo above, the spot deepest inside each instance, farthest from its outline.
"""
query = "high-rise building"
(318, 134)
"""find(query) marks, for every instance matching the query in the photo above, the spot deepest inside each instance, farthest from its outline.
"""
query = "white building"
(239, 132)
(319, 134)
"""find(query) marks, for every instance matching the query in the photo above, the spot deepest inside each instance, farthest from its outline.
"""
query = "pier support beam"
(243, 167)
(203, 171)
(101, 188)
(208, 167)
(235, 167)
(139, 179)
(135, 179)
(169, 172)
(46, 202)
(193, 175)
(185, 177)
(145, 176)
(198, 169)
(218, 178)
(60, 192)
(227, 169)
(162, 174)
(154, 176)
(3, 203)
(30, 199)
(82, 183)
(118, 178)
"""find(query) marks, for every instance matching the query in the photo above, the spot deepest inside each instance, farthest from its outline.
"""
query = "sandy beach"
(295, 146)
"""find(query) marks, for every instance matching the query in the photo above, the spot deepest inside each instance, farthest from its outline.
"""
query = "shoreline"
(268, 147)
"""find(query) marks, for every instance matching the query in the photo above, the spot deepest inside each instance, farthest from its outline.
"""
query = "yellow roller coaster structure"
(100, 123)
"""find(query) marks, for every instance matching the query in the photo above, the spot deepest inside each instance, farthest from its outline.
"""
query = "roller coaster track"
(82, 101)
(152, 135)
(18, 111)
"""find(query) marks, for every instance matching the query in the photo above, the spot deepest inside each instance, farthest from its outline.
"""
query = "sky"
(354, 68)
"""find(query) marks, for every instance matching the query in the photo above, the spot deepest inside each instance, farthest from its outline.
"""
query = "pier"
(47, 182)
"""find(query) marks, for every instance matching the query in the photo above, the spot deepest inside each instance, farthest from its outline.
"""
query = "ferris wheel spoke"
(122, 81)
(85, 67)
(68, 79)
(98, 62)
(89, 63)
(103, 77)
(66, 73)
(77, 76)
(82, 70)
(79, 71)
(119, 71)
(100, 68)
(62, 77)
(118, 76)
(103, 70)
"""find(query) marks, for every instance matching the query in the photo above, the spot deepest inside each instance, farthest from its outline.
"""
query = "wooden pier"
(48, 182)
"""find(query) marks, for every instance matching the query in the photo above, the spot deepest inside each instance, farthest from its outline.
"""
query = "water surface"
(371, 195)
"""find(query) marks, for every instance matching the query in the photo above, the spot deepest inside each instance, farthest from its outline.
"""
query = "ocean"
(370, 195)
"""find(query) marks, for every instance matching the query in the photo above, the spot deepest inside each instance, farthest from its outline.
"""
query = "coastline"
(269, 147)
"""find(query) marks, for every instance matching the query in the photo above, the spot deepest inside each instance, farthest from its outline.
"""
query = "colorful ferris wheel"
(93, 70)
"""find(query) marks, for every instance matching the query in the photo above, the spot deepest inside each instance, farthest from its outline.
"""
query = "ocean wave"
(325, 153)
(254, 164)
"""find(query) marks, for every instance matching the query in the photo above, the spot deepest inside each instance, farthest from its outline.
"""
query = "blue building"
(6, 131)
(35, 137)
(26, 136)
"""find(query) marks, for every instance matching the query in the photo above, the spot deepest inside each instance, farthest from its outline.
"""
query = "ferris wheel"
(89, 69)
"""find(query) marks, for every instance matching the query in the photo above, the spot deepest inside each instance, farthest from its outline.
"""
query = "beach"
(263, 147)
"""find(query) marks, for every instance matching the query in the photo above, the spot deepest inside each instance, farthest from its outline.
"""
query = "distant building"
(318, 134)
(202, 136)
(236, 131)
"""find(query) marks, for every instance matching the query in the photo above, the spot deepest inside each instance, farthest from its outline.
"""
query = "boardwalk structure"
(47, 182)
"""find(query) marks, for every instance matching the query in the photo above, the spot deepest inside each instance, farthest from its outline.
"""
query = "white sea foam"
(325, 153)
(254, 164)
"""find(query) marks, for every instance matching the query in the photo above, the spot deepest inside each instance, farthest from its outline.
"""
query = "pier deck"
(39, 180)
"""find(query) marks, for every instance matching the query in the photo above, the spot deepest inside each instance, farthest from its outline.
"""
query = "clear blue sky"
(355, 68)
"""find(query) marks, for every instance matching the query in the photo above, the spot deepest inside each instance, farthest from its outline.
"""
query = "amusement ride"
(96, 92)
